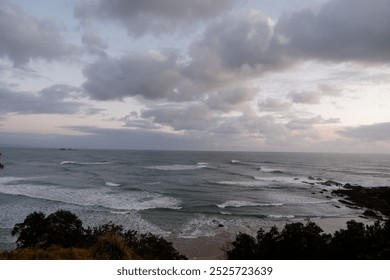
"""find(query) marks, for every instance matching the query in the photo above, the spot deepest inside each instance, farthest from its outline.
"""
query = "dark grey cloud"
(94, 44)
(180, 117)
(151, 75)
(237, 47)
(274, 105)
(50, 100)
(230, 99)
(25, 38)
(150, 16)
(314, 96)
(232, 51)
(307, 123)
(341, 30)
(126, 138)
(368, 133)
(305, 97)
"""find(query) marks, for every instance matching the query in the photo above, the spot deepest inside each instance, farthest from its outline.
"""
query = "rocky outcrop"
(374, 199)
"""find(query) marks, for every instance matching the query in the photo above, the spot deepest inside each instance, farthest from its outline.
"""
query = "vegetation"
(61, 235)
(308, 242)
(1, 165)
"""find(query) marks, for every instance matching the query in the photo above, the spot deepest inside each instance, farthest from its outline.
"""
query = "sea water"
(178, 193)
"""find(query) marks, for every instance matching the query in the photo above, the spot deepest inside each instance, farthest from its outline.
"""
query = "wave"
(104, 197)
(244, 183)
(179, 167)
(83, 163)
(270, 170)
(111, 184)
(7, 180)
(239, 203)
(201, 226)
(277, 216)
(234, 161)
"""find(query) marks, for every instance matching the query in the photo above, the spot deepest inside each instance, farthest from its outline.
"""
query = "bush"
(150, 246)
(112, 247)
(297, 241)
(64, 229)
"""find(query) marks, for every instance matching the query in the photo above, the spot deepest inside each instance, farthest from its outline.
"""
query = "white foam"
(240, 203)
(137, 200)
(178, 167)
(111, 184)
(244, 183)
(279, 179)
(281, 216)
(7, 180)
(84, 163)
(200, 226)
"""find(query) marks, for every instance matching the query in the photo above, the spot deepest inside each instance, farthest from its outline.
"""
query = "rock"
(311, 178)
(220, 225)
(352, 187)
(324, 190)
(337, 206)
(330, 183)
(371, 213)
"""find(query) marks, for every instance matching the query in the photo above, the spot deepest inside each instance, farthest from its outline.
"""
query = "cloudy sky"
(262, 75)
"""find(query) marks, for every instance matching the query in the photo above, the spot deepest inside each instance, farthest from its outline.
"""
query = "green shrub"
(112, 247)
(64, 229)
(297, 241)
(150, 246)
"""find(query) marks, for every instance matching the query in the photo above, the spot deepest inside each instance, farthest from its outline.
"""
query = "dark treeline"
(61, 235)
(297, 241)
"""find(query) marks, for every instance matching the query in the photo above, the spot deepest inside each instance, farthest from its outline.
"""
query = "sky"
(236, 75)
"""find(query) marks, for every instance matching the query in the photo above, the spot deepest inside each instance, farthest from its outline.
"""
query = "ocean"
(179, 194)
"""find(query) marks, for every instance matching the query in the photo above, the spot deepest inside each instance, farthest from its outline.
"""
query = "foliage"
(297, 241)
(54, 253)
(151, 246)
(1, 165)
(112, 247)
(64, 229)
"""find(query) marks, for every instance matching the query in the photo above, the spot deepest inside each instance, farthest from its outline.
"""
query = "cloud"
(94, 43)
(341, 30)
(149, 16)
(368, 133)
(25, 38)
(231, 99)
(180, 117)
(307, 123)
(151, 75)
(236, 48)
(315, 96)
(231, 52)
(273, 105)
(51, 100)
